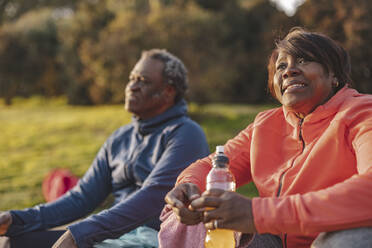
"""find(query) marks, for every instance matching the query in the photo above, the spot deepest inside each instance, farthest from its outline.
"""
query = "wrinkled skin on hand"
(179, 199)
(231, 210)
(5, 222)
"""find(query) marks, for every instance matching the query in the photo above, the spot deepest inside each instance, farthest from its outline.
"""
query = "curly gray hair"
(174, 72)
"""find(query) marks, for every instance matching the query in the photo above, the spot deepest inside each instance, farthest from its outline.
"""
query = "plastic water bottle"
(220, 177)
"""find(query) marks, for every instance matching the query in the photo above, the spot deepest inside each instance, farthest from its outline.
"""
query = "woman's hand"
(5, 221)
(179, 199)
(228, 210)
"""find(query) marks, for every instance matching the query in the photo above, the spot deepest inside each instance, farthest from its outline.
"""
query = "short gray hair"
(174, 72)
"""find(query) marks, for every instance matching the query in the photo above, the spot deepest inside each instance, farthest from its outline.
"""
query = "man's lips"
(131, 96)
(294, 84)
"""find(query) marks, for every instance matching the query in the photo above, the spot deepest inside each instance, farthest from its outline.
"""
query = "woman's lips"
(292, 86)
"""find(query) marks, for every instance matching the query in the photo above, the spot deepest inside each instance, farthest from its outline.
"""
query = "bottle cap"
(220, 149)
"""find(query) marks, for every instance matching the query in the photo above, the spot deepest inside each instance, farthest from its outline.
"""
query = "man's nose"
(134, 85)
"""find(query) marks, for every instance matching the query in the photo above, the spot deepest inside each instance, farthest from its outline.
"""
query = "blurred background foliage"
(85, 49)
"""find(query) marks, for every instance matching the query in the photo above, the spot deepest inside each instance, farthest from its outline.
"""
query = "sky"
(288, 6)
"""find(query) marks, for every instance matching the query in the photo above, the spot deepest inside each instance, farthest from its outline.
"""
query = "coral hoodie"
(312, 174)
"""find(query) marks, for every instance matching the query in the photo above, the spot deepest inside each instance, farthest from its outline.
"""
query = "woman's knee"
(356, 238)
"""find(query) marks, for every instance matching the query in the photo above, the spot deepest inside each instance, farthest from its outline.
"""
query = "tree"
(349, 22)
(75, 33)
(11, 10)
(28, 49)
(89, 47)
(222, 47)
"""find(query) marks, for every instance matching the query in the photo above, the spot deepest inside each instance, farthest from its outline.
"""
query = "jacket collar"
(322, 111)
(147, 126)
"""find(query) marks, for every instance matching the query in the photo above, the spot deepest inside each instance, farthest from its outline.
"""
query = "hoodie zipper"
(282, 175)
(300, 134)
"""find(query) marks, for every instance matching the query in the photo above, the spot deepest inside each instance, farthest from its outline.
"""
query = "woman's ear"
(335, 82)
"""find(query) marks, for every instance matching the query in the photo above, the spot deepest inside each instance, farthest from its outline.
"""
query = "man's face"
(146, 94)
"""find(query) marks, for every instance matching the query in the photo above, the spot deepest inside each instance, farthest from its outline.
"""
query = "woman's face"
(301, 85)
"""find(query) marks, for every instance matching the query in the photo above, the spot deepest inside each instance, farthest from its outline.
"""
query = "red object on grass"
(57, 182)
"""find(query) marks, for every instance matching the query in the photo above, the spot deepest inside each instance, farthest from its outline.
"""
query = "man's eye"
(144, 81)
(138, 79)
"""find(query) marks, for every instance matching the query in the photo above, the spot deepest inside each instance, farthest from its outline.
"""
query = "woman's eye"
(301, 60)
(281, 66)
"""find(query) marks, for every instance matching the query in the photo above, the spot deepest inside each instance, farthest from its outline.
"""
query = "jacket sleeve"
(238, 152)
(90, 191)
(344, 205)
(186, 144)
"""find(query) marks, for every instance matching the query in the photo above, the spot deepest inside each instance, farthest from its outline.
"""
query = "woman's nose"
(291, 71)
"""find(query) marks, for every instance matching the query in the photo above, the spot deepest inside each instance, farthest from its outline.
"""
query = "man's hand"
(5, 221)
(65, 241)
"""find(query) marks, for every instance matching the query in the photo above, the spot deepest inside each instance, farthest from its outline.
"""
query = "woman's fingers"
(225, 209)
(179, 198)
(214, 192)
(175, 198)
(187, 216)
(192, 191)
(214, 224)
(215, 208)
(211, 225)
(209, 199)
(205, 202)
(182, 195)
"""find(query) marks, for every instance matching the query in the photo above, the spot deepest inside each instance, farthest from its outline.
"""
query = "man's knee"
(4, 242)
(356, 238)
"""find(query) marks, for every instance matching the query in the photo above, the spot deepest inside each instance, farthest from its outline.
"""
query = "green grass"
(37, 135)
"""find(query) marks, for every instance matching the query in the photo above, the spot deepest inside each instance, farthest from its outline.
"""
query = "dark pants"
(356, 238)
(260, 241)
(40, 239)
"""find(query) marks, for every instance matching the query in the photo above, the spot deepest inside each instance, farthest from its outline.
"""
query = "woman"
(311, 159)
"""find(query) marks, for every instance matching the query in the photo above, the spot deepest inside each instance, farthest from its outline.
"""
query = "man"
(138, 164)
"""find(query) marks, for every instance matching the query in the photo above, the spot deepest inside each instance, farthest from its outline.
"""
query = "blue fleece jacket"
(138, 164)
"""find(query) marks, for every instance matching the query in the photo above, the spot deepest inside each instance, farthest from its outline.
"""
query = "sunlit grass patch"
(38, 134)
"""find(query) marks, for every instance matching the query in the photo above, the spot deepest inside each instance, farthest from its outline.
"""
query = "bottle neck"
(220, 166)
(220, 161)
